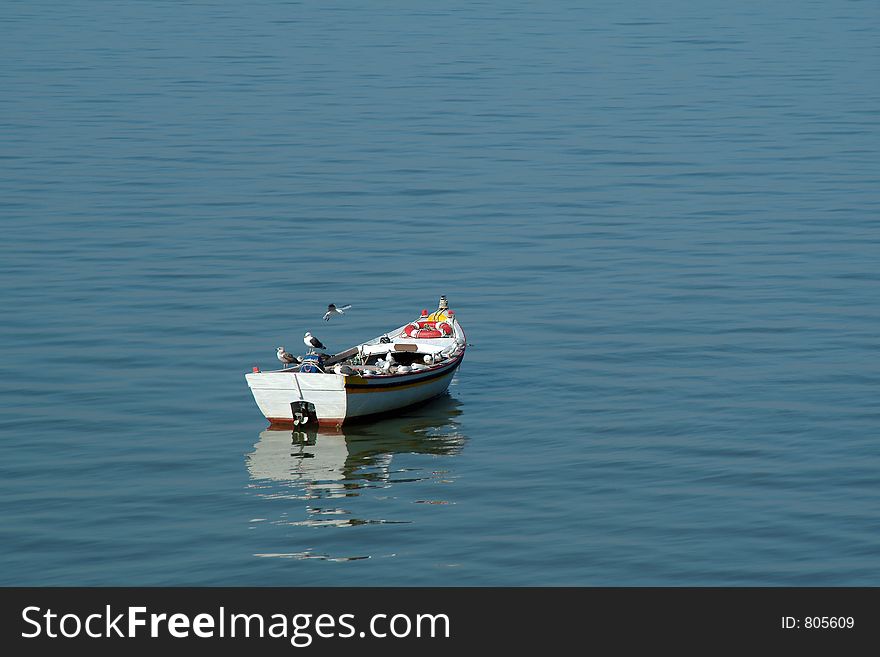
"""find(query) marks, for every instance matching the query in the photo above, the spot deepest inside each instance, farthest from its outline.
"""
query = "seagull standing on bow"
(285, 357)
(312, 342)
(333, 310)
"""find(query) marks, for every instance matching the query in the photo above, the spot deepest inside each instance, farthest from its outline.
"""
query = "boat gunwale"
(434, 370)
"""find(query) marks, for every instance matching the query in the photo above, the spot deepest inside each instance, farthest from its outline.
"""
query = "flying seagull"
(333, 310)
(312, 342)
(285, 357)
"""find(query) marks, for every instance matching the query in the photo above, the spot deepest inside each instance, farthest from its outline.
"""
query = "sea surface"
(657, 222)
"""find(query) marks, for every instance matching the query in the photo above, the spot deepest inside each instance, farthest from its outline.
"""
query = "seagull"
(312, 342)
(285, 357)
(333, 310)
(344, 370)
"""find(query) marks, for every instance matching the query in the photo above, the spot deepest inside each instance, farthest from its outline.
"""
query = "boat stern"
(290, 398)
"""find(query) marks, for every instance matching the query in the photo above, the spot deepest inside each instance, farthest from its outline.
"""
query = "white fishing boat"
(406, 366)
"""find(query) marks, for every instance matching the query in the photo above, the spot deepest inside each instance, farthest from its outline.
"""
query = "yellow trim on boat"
(380, 388)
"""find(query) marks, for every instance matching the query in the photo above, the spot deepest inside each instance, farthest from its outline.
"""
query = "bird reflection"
(322, 467)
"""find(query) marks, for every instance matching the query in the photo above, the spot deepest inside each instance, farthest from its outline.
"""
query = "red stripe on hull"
(288, 422)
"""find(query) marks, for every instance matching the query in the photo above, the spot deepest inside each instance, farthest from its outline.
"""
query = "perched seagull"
(285, 357)
(389, 357)
(333, 310)
(312, 342)
(344, 370)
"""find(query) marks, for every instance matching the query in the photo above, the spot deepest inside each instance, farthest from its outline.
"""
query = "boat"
(403, 367)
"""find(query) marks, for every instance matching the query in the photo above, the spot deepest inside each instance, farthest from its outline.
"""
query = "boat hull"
(338, 398)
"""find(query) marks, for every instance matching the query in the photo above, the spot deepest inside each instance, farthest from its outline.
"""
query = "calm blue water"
(658, 223)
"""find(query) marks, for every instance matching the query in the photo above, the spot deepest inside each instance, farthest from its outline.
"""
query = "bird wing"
(344, 308)
(327, 315)
(317, 343)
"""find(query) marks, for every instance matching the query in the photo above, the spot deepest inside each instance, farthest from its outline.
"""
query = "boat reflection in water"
(327, 468)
